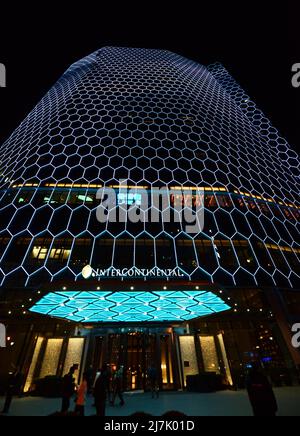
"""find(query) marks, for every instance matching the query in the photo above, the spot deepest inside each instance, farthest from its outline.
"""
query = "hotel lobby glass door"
(137, 351)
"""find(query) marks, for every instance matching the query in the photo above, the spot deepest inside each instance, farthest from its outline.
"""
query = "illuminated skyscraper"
(154, 119)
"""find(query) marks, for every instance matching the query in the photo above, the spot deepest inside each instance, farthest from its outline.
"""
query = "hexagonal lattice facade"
(153, 118)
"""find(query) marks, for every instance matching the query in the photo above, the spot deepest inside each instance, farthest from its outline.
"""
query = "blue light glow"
(130, 306)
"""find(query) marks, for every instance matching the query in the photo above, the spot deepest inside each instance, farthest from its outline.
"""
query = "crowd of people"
(107, 386)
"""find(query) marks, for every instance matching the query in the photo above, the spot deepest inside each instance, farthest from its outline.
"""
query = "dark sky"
(257, 44)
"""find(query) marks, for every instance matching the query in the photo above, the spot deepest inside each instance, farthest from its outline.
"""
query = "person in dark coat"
(100, 391)
(13, 388)
(260, 392)
(68, 389)
(153, 380)
(118, 386)
(89, 378)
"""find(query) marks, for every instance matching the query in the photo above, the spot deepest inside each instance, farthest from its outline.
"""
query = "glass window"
(59, 253)
(239, 203)
(278, 257)
(8, 197)
(210, 201)
(241, 223)
(81, 253)
(224, 201)
(103, 252)
(16, 252)
(270, 229)
(60, 220)
(225, 223)
(264, 208)
(288, 213)
(42, 196)
(252, 206)
(256, 225)
(4, 241)
(60, 250)
(245, 254)
(59, 196)
(144, 253)
(186, 255)
(262, 254)
(123, 254)
(165, 253)
(206, 255)
(225, 253)
(292, 259)
(41, 219)
(39, 250)
(24, 197)
(79, 221)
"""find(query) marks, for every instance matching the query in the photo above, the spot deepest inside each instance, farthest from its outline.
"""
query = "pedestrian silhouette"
(260, 392)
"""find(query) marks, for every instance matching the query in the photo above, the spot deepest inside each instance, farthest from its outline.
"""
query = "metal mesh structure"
(153, 118)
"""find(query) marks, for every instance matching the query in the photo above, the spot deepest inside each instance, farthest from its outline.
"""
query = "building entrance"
(137, 351)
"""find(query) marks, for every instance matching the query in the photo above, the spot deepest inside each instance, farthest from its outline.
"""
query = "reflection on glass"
(188, 356)
(74, 354)
(225, 360)
(34, 360)
(51, 357)
(209, 354)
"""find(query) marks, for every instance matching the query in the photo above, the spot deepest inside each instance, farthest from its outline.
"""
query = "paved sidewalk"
(217, 404)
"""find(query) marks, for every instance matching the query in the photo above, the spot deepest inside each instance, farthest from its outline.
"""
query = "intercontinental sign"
(88, 272)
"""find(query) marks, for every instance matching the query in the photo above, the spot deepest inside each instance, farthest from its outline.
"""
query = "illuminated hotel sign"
(88, 272)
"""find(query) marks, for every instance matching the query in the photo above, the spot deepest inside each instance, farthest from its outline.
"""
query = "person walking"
(96, 377)
(68, 389)
(100, 391)
(89, 377)
(13, 388)
(260, 392)
(81, 396)
(118, 386)
(153, 381)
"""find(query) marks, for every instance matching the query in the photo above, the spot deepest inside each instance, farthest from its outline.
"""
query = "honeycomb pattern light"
(153, 118)
(107, 307)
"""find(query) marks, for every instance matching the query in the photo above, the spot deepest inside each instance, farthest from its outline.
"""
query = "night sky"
(258, 45)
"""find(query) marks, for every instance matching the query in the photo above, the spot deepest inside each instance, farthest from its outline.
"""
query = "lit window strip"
(175, 188)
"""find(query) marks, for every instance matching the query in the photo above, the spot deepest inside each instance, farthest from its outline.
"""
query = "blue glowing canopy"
(120, 306)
